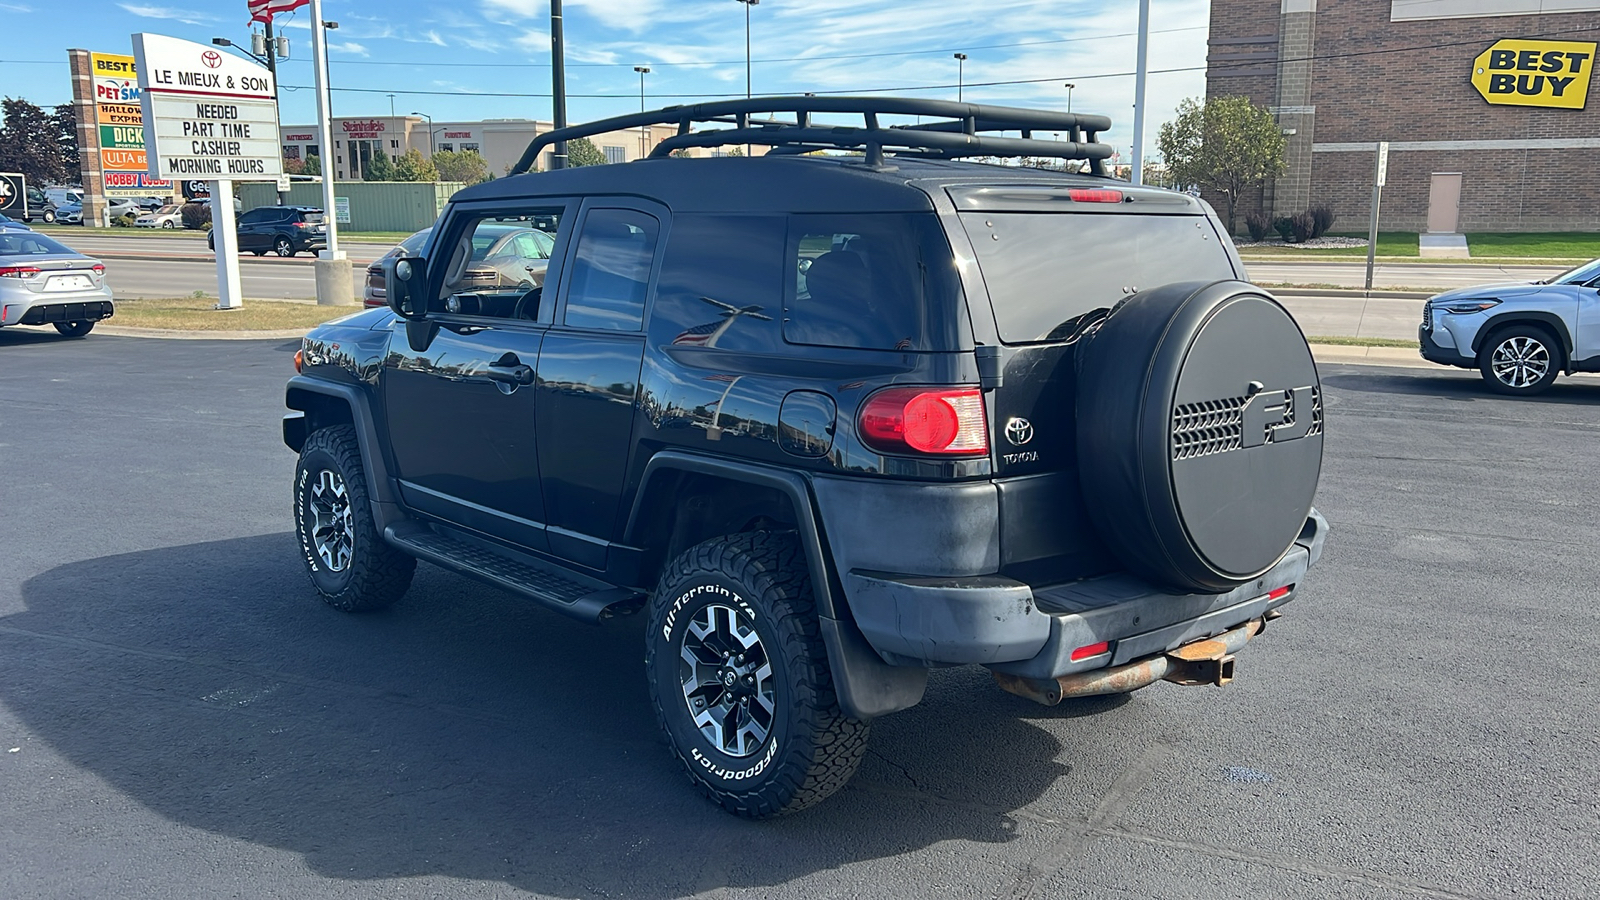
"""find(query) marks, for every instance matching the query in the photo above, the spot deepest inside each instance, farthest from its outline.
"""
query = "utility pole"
(272, 66)
(961, 74)
(558, 87)
(331, 268)
(1143, 70)
(644, 130)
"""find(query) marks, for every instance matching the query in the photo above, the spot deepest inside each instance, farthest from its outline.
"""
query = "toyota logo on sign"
(211, 58)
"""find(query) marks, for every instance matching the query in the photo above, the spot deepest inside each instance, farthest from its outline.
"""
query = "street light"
(747, 5)
(1070, 86)
(961, 72)
(431, 151)
(644, 130)
(272, 47)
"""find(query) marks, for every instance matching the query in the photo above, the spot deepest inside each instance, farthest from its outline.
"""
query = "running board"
(547, 584)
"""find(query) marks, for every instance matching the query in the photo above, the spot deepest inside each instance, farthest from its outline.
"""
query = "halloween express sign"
(1551, 74)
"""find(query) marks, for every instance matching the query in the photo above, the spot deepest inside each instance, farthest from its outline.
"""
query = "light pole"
(271, 46)
(644, 130)
(747, 5)
(558, 87)
(431, 151)
(961, 74)
(1070, 86)
(391, 106)
(1141, 68)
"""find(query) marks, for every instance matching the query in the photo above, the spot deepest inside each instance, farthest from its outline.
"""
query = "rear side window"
(1045, 270)
(864, 281)
(721, 283)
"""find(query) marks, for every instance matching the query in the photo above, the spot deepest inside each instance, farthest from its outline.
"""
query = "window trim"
(655, 210)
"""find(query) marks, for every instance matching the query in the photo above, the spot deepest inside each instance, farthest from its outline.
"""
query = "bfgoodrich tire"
(350, 564)
(739, 677)
(1520, 360)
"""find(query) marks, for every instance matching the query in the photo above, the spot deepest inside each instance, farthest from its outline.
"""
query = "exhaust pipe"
(1208, 661)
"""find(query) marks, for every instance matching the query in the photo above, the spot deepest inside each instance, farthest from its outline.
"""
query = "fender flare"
(380, 486)
(1513, 317)
(867, 687)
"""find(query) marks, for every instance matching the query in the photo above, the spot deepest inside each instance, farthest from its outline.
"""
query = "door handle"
(516, 373)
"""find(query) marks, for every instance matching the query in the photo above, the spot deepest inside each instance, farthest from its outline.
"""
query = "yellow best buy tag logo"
(1552, 74)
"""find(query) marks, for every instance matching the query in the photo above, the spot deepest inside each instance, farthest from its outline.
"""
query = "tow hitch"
(1207, 661)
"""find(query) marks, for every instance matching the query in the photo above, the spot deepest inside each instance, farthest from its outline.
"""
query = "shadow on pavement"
(460, 733)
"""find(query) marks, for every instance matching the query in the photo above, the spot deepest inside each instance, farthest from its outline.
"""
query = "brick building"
(1484, 102)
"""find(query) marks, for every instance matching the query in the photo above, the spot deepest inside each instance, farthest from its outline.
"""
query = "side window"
(862, 280)
(722, 283)
(496, 267)
(611, 270)
(258, 216)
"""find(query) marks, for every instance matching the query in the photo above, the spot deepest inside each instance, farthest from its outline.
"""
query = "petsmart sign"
(207, 114)
(1553, 74)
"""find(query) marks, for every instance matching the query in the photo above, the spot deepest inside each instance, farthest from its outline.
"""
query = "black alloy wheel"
(349, 562)
(739, 677)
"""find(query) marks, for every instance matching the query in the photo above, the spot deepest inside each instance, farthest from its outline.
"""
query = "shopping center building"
(1486, 106)
(499, 141)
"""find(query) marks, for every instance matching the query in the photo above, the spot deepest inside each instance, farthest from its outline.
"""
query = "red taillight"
(99, 269)
(1278, 593)
(1089, 650)
(942, 421)
(17, 271)
(1095, 195)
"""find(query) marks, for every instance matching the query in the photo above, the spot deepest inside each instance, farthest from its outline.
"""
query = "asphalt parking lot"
(180, 716)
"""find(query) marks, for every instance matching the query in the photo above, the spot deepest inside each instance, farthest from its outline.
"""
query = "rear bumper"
(1018, 630)
(89, 309)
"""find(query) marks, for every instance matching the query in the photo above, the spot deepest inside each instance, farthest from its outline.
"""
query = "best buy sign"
(1535, 73)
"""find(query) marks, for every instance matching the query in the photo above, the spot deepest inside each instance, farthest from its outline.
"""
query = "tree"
(379, 168)
(1227, 144)
(294, 166)
(582, 152)
(313, 165)
(466, 167)
(413, 166)
(28, 143)
(66, 126)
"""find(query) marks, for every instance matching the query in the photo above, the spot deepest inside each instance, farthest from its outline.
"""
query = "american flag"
(698, 335)
(264, 10)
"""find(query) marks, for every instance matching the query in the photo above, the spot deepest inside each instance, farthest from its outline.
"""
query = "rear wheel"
(49, 217)
(283, 247)
(350, 564)
(740, 681)
(1520, 360)
(74, 329)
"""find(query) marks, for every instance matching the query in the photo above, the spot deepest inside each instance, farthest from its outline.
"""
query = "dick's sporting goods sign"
(1552, 74)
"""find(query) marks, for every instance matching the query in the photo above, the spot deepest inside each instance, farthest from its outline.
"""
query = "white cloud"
(432, 37)
(526, 9)
(350, 47)
(186, 16)
(15, 7)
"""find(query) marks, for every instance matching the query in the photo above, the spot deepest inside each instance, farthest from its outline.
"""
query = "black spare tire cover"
(1199, 433)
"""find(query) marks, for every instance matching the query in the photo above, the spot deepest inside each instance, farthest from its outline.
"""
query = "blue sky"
(695, 48)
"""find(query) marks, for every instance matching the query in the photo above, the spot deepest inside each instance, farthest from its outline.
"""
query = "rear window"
(29, 243)
(1045, 270)
(312, 218)
(870, 281)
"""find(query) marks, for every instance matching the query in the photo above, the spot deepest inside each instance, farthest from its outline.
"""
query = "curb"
(1394, 357)
(170, 334)
(1353, 293)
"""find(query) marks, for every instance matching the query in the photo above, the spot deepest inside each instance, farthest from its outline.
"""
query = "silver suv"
(1520, 335)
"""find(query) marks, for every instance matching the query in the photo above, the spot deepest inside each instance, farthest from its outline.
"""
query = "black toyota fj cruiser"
(830, 419)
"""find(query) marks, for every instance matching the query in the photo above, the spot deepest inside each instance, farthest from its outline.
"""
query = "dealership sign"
(206, 114)
(1553, 74)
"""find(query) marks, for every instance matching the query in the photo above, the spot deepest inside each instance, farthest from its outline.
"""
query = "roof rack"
(787, 127)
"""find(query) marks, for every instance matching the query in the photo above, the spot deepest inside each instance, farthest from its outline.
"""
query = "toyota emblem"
(211, 58)
(1019, 431)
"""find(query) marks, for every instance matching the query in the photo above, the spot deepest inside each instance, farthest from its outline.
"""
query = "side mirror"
(405, 281)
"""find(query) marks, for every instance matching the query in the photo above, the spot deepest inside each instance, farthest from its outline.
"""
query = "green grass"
(1548, 245)
(1390, 243)
(1362, 342)
(200, 314)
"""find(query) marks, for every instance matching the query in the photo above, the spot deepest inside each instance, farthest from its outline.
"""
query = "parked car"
(9, 224)
(827, 422)
(39, 207)
(1518, 335)
(150, 204)
(44, 282)
(170, 216)
(374, 294)
(508, 255)
(117, 207)
(283, 230)
(70, 213)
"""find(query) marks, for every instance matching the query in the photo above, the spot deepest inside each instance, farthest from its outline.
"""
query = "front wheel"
(283, 247)
(1520, 360)
(168, 224)
(740, 681)
(350, 564)
(74, 329)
